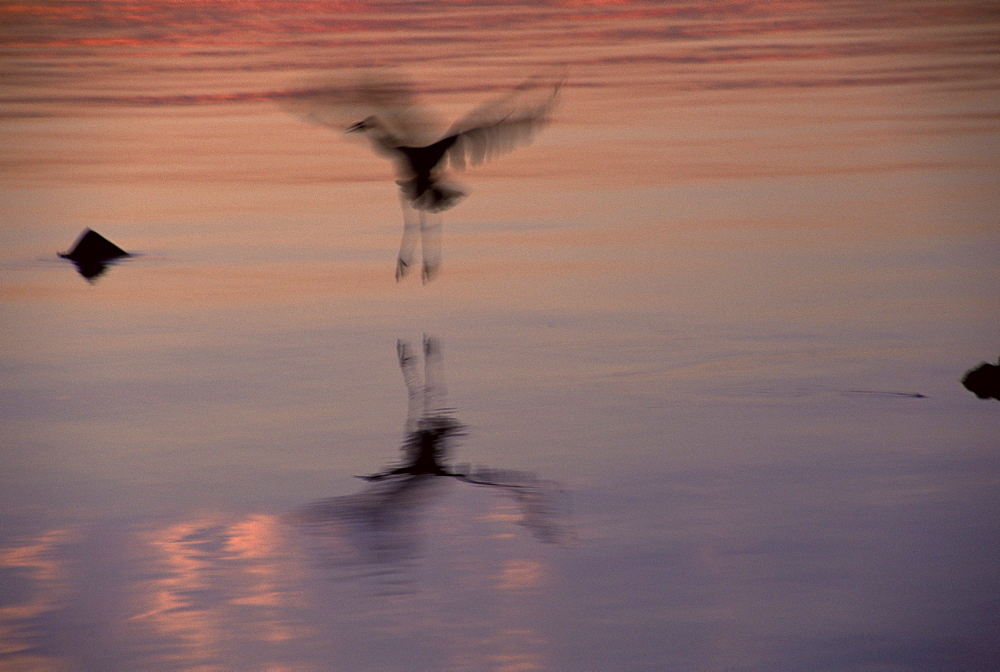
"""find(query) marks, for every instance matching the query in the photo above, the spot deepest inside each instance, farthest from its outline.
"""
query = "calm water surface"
(699, 346)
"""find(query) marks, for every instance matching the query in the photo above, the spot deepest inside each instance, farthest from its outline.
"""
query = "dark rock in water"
(983, 381)
(92, 253)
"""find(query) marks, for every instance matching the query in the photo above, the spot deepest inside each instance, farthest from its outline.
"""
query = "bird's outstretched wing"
(339, 102)
(500, 125)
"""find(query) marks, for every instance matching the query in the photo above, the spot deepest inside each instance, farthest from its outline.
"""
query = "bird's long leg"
(430, 238)
(408, 245)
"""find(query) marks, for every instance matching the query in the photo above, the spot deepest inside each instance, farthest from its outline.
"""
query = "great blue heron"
(400, 130)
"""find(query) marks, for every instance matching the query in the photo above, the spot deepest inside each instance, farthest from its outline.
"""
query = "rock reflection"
(379, 525)
(93, 253)
(403, 131)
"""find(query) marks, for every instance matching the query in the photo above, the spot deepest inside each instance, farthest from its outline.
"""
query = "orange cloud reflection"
(220, 583)
(36, 564)
(216, 593)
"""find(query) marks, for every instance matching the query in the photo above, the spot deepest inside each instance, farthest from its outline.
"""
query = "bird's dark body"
(424, 160)
(422, 163)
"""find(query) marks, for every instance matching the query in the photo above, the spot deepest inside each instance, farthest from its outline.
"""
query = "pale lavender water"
(716, 317)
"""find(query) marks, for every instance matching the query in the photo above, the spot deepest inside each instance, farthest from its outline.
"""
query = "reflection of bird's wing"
(375, 526)
(545, 511)
(544, 506)
(501, 125)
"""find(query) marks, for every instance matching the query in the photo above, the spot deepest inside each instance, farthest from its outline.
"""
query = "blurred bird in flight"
(400, 129)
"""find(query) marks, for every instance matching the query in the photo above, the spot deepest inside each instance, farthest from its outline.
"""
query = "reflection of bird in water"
(400, 130)
(380, 522)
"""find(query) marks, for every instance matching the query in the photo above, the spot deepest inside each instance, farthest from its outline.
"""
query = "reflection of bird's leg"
(430, 240)
(434, 389)
(414, 386)
(411, 226)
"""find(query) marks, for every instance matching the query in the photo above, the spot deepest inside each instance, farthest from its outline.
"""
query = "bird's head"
(365, 124)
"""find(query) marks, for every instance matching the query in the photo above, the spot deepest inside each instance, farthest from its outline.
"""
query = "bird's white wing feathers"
(500, 125)
(388, 95)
